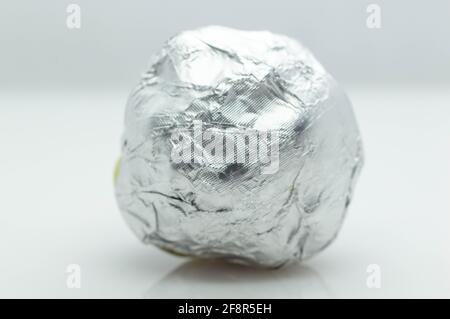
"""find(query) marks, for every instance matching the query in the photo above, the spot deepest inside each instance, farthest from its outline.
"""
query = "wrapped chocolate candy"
(237, 145)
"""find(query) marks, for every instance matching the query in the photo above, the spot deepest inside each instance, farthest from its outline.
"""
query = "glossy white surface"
(57, 207)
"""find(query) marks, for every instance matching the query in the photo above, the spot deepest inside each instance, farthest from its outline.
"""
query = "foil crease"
(233, 81)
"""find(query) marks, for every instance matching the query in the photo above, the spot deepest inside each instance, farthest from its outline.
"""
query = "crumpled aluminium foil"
(230, 82)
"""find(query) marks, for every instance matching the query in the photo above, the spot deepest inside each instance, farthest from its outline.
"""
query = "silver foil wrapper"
(237, 145)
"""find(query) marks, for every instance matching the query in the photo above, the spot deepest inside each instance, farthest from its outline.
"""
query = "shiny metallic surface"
(230, 82)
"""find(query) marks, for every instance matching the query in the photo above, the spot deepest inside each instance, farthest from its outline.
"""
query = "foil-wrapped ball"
(237, 145)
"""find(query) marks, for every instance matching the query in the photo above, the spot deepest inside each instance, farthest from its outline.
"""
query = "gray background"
(62, 99)
(116, 39)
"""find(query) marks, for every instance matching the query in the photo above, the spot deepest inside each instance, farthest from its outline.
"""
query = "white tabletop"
(57, 207)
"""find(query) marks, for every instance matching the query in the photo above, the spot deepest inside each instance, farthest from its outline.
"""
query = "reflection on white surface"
(215, 279)
(57, 207)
